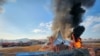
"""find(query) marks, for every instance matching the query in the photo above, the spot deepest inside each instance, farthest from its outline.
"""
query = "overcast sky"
(33, 18)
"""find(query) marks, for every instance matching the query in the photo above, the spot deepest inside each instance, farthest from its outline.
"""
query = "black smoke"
(68, 15)
(77, 31)
(85, 3)
(77, 12)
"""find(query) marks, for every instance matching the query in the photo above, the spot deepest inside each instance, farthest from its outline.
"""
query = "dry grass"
(33, 48)
(92, 45)
(12, 51)
(21, 49)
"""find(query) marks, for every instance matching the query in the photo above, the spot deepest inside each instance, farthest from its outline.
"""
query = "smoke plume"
(78, 31)
(2, 2)
(68, 15)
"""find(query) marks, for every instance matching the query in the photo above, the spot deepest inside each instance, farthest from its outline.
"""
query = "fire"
(51, 46)
(77, 43)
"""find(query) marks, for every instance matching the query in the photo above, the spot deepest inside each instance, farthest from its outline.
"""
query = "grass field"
(13, 50)
(21, 49)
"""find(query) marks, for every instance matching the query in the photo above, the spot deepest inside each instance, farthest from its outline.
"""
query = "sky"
(33, 19)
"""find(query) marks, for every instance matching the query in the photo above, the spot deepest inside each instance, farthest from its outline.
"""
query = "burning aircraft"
(68, 16)
(66, 26)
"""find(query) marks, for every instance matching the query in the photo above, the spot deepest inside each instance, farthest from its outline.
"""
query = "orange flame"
(78, 43)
